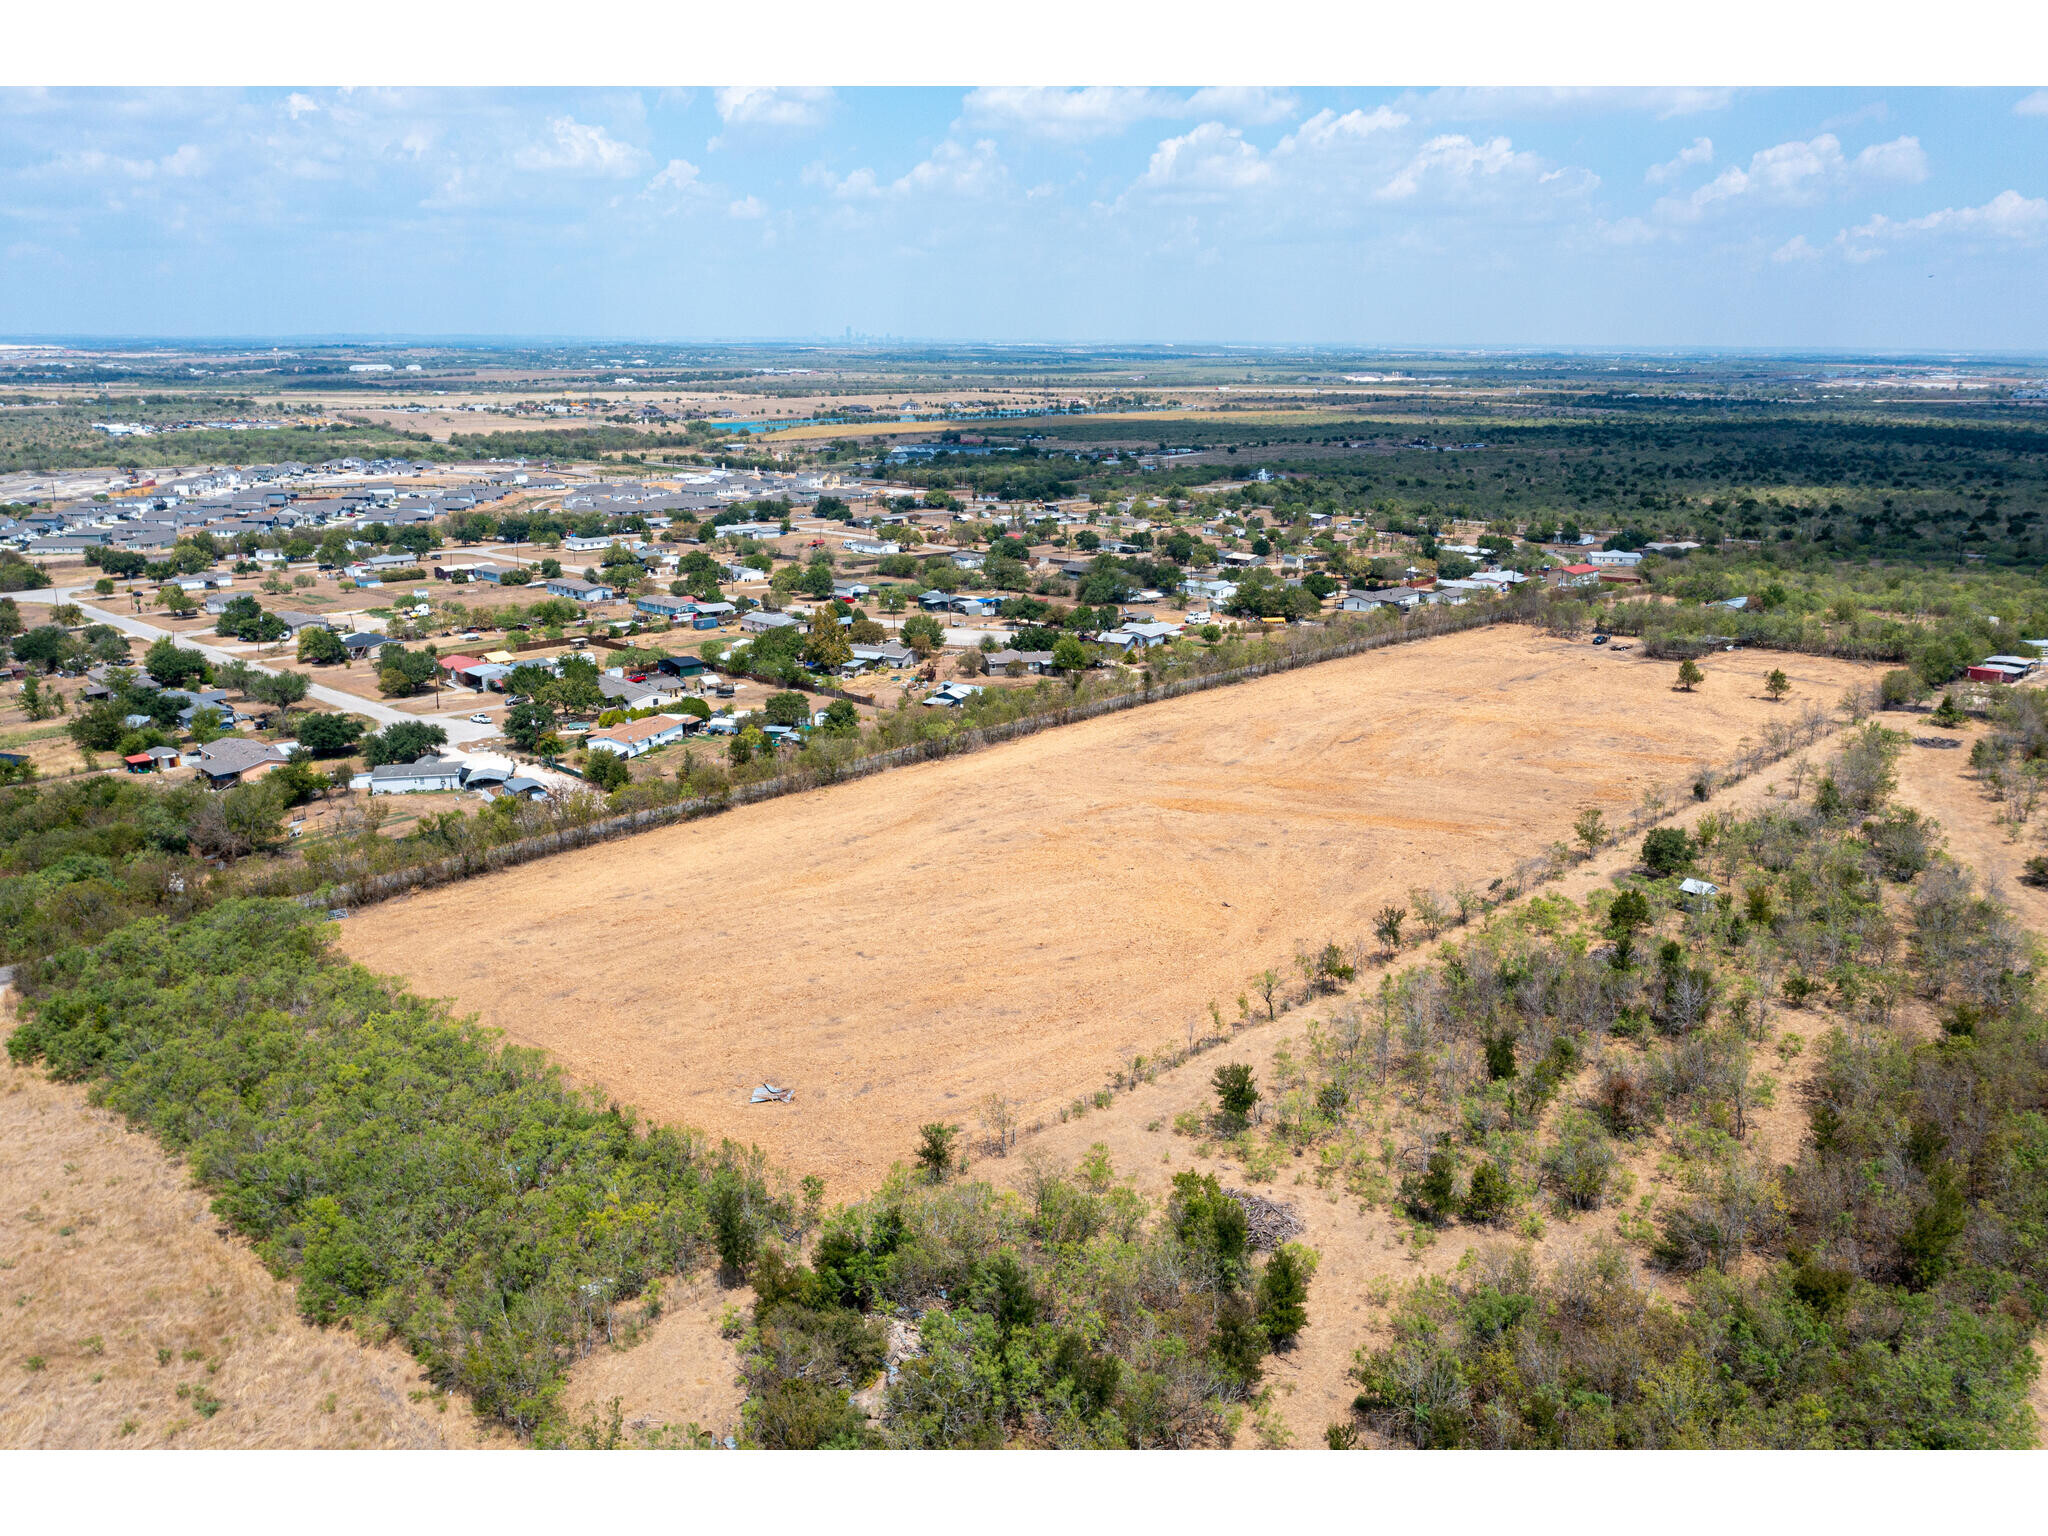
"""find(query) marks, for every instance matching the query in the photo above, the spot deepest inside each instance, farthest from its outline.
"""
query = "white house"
(637, 736)
(423, 776)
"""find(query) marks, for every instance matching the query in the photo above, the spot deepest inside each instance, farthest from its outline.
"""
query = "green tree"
(786, 708)
(1282, 1304)
(1667, 850)
(935, 1149)
(827, 645)
(1627, 915)
(278, 688)
(174, 666)
(1777, 684)
(841, 718)
(923, 633)
(1590, 829)
(607, 770)
(1689, 675)
(1386, 927)
(1490, 1193)
(401, 672)
(1237, 1095)
(404, 741)
(207, 725)
(328, 734)
(527, 722)
(321, 647)
(1069, 656)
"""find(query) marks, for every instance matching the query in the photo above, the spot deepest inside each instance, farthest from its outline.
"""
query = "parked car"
(479, 719)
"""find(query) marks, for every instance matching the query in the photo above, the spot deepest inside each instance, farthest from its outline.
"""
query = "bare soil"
(1026, 919)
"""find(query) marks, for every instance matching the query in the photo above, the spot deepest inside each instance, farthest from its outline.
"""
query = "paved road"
(461, 729)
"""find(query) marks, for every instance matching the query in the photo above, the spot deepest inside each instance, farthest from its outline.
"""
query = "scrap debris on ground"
(768, 1093)
(1268, 1223)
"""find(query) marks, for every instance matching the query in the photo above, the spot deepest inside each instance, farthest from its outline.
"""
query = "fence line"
(369, 889)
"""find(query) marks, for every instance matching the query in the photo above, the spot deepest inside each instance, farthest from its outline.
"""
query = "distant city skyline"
(1836, 219)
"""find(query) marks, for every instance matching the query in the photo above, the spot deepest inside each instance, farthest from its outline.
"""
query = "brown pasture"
(1026, 919)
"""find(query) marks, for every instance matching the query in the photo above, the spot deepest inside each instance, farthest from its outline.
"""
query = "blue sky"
(1846, 219)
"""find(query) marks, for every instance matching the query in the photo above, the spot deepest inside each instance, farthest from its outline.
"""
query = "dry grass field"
(131, 1320)
(1024, 920)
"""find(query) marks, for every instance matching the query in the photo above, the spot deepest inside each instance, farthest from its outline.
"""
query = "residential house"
(234, 759)
(760, 620)
(578, 590)
(425, 775)
(458, 669)
(666, 607)
(887, 654)
(1379, 597)
(1614, 559)
(952, 695)
(638, 736)
(624, 693)
(1000, 662)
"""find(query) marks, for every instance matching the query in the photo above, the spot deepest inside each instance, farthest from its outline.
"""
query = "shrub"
(1491, 1193)
(1666, 850)
(1282, 1305)
(1432, 1195)
(1236, 1093)
(935, 1149)
(1578, 1163)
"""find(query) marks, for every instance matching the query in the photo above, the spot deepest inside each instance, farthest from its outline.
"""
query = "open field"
(1367, 1251)
(1025, 919)
(124, 1293)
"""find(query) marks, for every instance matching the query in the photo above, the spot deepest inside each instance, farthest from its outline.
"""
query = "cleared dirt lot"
(1025, 919)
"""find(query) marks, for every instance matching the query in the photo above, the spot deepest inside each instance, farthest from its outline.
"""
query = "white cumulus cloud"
(1067, 116)
(1699, 152)
(763, 106)
(1328, 131)
(1900, 160)
(2035, 105)
(1465, 103)
(1798, 248)
(1242, 104)
(952, 169)
(1454, 167)
(1073, 115)
(2008, 216)
(1800, 172)
(676, 176)
(1207, 161)
(580, 149)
